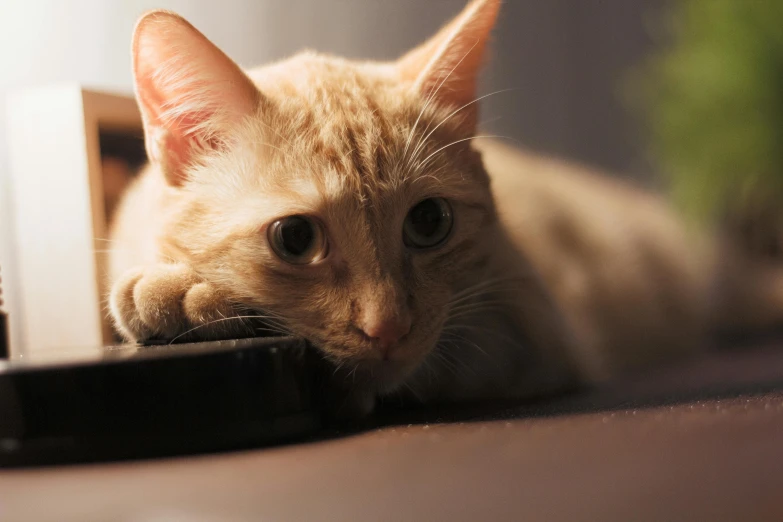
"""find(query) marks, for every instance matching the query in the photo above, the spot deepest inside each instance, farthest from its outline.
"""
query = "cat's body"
(547, 275)
(634, 285)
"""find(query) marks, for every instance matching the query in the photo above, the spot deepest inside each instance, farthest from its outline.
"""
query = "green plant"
(713, 99)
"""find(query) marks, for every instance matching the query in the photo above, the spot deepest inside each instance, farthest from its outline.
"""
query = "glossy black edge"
(185, 399)
(131, 353)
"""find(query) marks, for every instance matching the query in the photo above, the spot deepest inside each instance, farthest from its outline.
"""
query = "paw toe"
(158, 298)
(123, 307)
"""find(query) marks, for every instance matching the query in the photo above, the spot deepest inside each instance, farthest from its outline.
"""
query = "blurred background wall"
(563, 58)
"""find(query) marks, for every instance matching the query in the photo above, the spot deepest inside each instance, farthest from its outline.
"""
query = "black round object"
(428, 223)
(144, 401)
(297, 235)
(298, 240)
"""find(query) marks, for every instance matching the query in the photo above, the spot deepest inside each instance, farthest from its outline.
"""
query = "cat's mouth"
(382, 375)
(365, 366)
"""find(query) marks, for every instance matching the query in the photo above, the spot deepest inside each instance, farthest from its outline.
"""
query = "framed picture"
(72, 151)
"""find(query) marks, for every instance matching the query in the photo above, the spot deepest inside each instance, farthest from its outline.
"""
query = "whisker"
(479, 292)
(474, 345)
(430, 176)
(415, 394)
(485, 281)
(487, 294)
(484, 297)
(466, 370)
(352, 373)
(423, 141)
(423, 163)
(489, 331)
(480, 299)
(484, 123)
(265, 144)
(448, 363)
(496, 308)
(432, 97)
(499, 280)
(276, 132)
(234, 318)
(431, 370)
(338, 366)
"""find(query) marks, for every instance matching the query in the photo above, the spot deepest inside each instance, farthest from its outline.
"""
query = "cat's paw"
(170, 301)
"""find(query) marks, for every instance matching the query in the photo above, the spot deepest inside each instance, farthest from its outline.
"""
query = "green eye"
(298, 240)
(428, 223)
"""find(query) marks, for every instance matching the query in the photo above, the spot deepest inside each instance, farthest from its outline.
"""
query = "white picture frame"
(59, 194)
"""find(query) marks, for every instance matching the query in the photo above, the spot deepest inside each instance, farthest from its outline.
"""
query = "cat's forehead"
(334, 101)
(337, 116)
(329, 85)
(350, 129)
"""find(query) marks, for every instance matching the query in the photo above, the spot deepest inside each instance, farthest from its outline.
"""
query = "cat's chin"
(382, 376)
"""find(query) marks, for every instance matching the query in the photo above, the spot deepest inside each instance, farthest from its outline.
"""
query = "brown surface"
(717, 459)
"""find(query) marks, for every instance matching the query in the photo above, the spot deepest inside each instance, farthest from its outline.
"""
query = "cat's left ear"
(448, 64)
(190, 94)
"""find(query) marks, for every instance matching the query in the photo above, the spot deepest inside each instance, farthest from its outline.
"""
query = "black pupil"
(426, 218)
(297, 235)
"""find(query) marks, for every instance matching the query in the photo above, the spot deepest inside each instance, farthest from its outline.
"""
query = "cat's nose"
(386, 331)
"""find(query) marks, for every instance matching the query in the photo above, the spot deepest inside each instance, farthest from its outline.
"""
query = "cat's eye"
(298, 240)
(428, 223)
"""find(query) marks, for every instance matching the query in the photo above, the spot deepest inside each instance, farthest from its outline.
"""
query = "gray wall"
(568, 59)
(563, 58)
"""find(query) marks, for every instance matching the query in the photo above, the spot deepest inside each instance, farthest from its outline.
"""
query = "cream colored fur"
(553, 274)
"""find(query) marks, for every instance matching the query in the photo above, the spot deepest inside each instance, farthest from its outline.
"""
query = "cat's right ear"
(446, 67)
(189, 92)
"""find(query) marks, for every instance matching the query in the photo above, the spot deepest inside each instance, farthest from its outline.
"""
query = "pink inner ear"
(190, 93)
(451, 60)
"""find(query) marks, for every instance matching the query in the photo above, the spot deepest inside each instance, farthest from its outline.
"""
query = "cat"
(354, 204)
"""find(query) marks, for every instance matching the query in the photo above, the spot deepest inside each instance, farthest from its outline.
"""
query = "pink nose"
(386, 332)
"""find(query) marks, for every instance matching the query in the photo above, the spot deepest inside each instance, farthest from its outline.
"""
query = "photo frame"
(72, 151)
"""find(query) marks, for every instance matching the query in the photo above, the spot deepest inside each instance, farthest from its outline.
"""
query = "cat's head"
(342, 198)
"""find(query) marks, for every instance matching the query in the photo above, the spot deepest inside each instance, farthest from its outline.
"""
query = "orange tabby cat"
(349, 203)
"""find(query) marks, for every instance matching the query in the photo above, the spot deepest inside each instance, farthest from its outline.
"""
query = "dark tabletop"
(700, 441)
